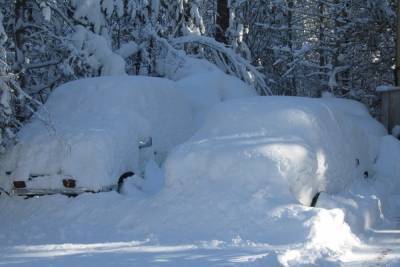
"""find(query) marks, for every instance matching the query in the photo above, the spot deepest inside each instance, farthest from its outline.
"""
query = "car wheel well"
(122, 178)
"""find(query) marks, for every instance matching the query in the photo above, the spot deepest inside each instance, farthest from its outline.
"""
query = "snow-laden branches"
(283, 47)
(229, 61)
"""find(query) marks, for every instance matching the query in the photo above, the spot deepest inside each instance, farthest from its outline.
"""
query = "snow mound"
(179, 65)
(295, 146)
(329, 236)
(367, 203)
(90, 129)
(205, 90)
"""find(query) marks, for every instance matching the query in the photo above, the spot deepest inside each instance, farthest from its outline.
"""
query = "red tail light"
(69, 183)
(19, 184)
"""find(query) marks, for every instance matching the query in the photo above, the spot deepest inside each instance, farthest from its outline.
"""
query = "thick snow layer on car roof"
(291, 145)
(90, 129)
(102, 100)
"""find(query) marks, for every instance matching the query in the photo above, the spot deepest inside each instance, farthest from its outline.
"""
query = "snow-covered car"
(93, 133)
(287, 149)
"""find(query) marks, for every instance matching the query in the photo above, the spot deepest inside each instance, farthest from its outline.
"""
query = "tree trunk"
(20, 7)
(19, 35)
(290, 39)
(222, 21)
(342, 38)
(322, 59)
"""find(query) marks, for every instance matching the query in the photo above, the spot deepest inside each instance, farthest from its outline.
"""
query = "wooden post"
(391, 96)
(390, 107)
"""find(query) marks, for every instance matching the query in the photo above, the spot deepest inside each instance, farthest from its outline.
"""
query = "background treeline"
(286, 47)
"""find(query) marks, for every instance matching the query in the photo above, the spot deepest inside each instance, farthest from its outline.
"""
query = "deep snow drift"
(229, 198)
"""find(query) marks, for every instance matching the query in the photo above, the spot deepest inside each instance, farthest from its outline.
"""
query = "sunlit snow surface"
(213, 253)
(220, 204)
(140, 229)
(382, 249)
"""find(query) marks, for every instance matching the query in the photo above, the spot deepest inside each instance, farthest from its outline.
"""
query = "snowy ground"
(172, 228)
(96, 230)
(231, 194)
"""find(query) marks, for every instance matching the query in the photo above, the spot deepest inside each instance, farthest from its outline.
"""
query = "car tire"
(315, 200)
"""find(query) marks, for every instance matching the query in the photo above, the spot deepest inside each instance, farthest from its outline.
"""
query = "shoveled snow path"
(381, 249)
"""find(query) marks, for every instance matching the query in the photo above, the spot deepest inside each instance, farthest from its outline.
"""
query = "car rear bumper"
(64, 191)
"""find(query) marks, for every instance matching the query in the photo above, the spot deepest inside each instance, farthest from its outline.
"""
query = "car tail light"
(19, 184)
(69, 183)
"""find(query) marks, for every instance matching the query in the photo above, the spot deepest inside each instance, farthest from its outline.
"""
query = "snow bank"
(329, 236)
(90, 129)
(368, 203)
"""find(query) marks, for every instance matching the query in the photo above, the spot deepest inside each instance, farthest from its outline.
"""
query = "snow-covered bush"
(97, 53)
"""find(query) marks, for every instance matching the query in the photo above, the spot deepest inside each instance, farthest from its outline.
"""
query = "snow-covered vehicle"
(93, 133)
(286, 149)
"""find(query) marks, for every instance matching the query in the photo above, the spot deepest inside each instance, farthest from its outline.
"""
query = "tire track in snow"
(380, 260)
(384, 253)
